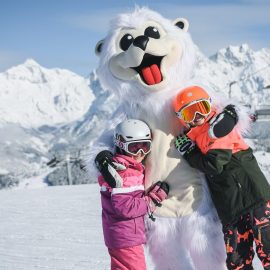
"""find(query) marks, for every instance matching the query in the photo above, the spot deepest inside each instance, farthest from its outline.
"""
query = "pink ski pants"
(131, 258)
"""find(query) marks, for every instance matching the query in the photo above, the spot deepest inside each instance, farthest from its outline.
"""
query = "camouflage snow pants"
(239, 238)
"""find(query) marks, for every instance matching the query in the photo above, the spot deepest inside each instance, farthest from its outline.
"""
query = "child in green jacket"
(238, 188)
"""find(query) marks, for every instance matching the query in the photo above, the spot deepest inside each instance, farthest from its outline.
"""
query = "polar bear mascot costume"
(145, 60)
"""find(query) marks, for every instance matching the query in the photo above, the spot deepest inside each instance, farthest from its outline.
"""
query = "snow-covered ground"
(54, 228)
(51, 228)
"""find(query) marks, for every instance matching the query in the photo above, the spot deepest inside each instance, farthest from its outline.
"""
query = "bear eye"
(152, 32)
(126, 41)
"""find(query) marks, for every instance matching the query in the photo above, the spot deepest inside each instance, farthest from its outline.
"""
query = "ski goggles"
(134, 147)
(188, 113)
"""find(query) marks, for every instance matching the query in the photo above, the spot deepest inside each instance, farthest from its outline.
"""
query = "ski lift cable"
(246, 77)
(73, 152)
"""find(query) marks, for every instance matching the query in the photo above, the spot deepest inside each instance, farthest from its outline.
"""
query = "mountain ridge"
(61, 113)
(51, 96)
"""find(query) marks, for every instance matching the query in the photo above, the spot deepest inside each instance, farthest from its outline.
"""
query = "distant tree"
(78, 175)
(8, 181)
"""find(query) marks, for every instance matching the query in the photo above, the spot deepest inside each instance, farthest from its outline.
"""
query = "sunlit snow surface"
(53, 228)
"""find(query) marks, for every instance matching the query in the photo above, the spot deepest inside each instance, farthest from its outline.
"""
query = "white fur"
(187, 233)
(190, 242)
(139, 95)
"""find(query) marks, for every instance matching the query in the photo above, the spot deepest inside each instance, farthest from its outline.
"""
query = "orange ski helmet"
(191, 100)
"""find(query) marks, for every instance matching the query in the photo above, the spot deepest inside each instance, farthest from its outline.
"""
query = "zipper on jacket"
(238, 183)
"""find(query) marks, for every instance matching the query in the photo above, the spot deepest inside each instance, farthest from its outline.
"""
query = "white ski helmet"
(131, 132)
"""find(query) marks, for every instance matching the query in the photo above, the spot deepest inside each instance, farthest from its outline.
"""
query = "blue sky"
(63, 33)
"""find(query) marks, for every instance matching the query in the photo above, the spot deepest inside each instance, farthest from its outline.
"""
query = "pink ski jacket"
(123, 209)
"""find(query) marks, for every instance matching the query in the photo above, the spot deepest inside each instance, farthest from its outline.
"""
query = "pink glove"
(158, 192)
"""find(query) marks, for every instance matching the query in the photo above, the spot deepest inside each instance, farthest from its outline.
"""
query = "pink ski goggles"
(134, 147)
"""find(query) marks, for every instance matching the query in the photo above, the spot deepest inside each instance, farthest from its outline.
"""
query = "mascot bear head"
(145, 55)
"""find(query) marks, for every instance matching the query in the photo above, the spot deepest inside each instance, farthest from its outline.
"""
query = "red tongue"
(151, 74)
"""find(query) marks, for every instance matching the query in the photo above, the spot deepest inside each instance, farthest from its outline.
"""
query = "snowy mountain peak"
(239, 72)
(30, 62)
(237, 50)
(244, 47)
(32, 96)
(235, 55)
(30, 71)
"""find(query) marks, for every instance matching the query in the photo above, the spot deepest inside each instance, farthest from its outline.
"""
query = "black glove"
(103, 158)
(223, 123)
(106, 166)
(184, 144)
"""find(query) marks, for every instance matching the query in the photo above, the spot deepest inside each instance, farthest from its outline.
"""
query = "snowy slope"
(56, 228)
(32, 96)
(35, 104)
(53, 228)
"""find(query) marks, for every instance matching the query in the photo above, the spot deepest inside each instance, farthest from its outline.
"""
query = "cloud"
(216, 26)
(255, 2)
(212, 26)
(94, 20)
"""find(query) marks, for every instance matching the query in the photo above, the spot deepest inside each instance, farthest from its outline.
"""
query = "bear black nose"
(141, 42)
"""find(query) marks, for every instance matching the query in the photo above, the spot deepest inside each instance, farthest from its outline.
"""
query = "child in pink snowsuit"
(124, 201)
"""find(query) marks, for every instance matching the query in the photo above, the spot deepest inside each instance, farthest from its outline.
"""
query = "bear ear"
(181, 23)
(98, 48)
